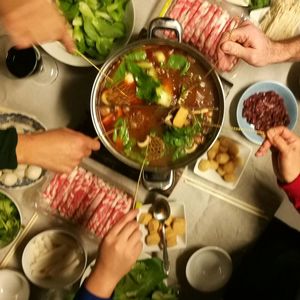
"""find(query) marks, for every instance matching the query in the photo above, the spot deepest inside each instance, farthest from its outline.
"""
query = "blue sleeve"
(84, 294)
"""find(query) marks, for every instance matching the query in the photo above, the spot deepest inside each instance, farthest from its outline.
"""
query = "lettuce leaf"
(144, 282)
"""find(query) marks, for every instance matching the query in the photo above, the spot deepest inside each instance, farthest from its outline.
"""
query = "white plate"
(177, 210)
(13, 285)
(31, 256)
(89, 268)
(23, 124)
(209, 269)
(212, 175)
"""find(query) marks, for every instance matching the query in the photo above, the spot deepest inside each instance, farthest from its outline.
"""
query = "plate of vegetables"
(98, 28)
(146, 280)
(10, 220)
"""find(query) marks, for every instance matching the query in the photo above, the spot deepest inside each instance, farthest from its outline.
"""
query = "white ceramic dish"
(264, 86)
(23, 124)
(58, 51)
(13, 285)
(212, 175)
(209, 269)
(20, 216)
(89, 268)
(177, 210)
(48, 261)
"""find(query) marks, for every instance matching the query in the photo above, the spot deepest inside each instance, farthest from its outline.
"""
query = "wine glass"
(29, 62)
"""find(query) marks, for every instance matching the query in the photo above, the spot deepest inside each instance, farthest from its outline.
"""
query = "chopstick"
(226, 198)
(98, 69)
(18, 241)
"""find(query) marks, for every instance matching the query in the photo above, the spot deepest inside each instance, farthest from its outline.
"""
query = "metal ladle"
(161, 212)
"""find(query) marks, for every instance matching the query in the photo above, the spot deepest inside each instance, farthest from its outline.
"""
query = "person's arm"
(249, 43)
(59, 150)
(118, 252)
(34, 22)
(285, 147)
(8, 143)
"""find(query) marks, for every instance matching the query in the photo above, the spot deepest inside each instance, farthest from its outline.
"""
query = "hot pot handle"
(165, 23)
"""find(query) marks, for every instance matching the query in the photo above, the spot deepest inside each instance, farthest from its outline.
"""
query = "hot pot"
(164, 24)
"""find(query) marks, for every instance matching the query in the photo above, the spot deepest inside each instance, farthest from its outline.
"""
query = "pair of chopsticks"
(226, 198)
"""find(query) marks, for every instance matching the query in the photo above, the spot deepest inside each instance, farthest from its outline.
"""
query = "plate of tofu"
(175, 225)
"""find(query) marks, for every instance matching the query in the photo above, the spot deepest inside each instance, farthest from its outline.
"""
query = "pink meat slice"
(53, 187)
(122, 208)
(106, 218)
(195, 19)
(188, 11)
(202, 24)
(64, 190)
(69, 195)
(92, 192)
(231, 24)
(217, 29)
(174, 14)
(97, 219)
(103, 191)
(79, 191)
(207, 30)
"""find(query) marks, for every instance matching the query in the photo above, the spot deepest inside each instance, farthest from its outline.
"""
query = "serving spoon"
(161, 212)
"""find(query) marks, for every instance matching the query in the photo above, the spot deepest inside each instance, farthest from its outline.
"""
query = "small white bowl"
(209, 269)
(49, 262)
(13, 285)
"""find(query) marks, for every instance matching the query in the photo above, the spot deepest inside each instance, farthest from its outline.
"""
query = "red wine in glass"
(23, 63)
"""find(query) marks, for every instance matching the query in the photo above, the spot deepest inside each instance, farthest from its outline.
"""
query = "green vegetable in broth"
(179, 62)
(9, 220)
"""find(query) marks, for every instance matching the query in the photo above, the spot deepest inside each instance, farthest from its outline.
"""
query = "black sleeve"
(8, 144)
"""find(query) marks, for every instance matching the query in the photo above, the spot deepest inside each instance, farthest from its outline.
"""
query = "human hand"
(59, 150)
(247, 42)
(34, 22)
(118, 252)
(285, 147)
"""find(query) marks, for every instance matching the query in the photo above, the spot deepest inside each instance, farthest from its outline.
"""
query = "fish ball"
(221, 171)
(33, 172)
(21, 167)
(229, 177)
(233, 149)
(214, 164)
(222, 158)
(229, 167)
(211, 154)
(204, 165)
(9, 179)
(20, 173)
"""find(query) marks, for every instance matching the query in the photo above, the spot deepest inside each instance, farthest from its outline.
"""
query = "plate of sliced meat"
(87, 200)
(203, 24)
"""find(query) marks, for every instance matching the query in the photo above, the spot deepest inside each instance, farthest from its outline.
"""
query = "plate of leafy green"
(10, 220)
(98, 29)
(145, 281)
